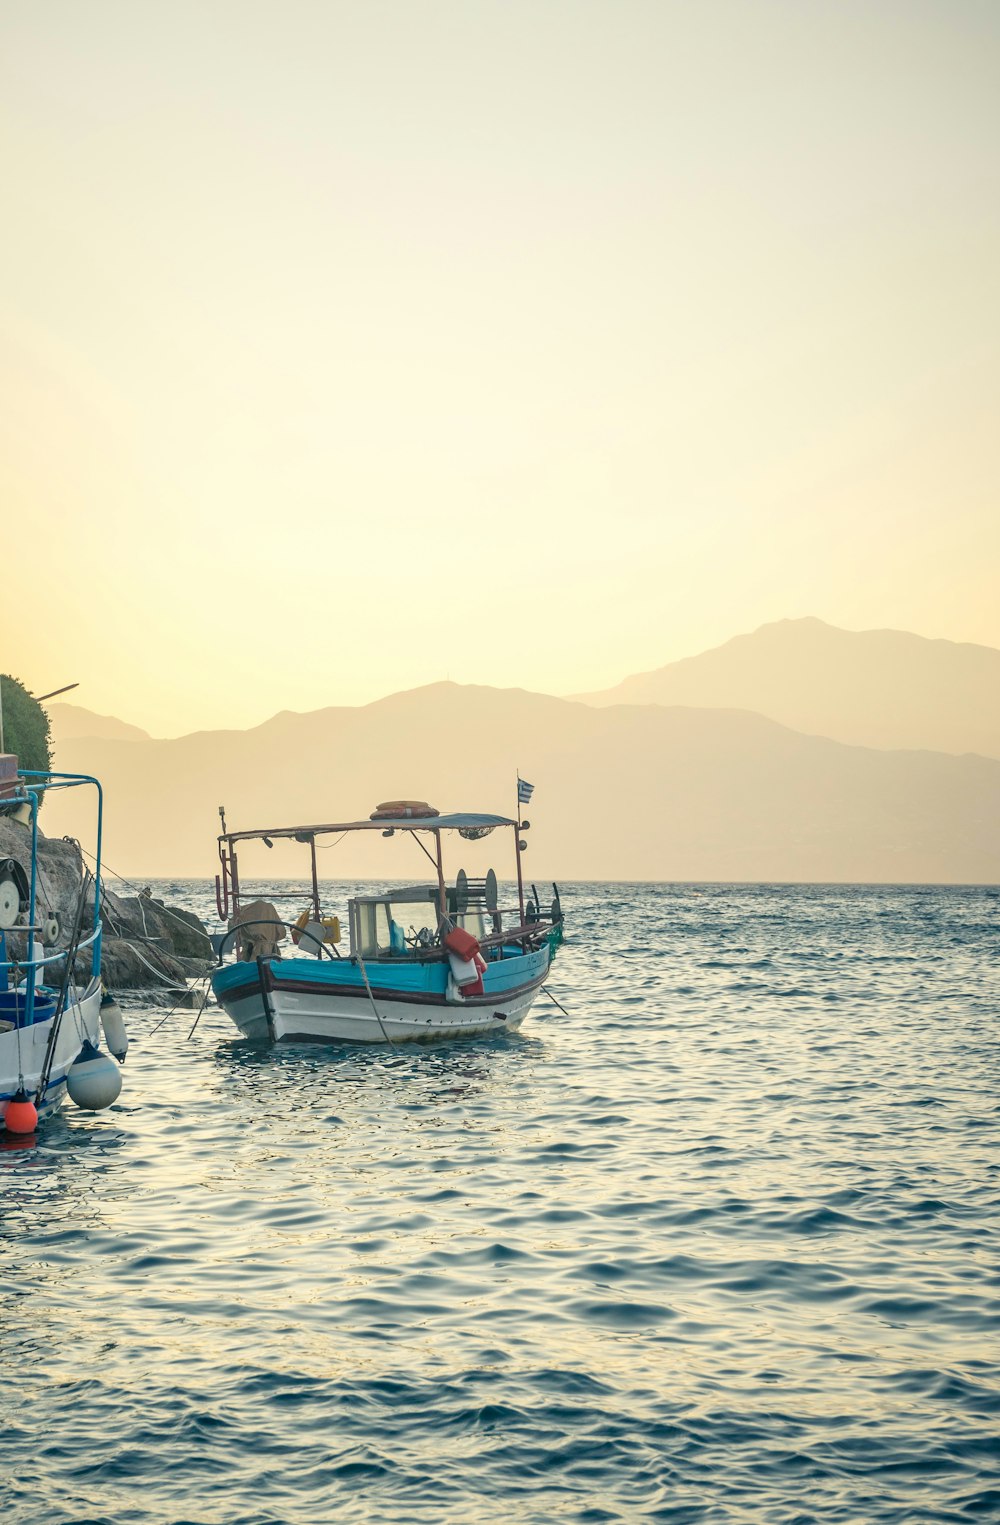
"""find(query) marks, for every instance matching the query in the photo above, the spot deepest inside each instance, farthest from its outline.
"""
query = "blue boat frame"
(28, 794)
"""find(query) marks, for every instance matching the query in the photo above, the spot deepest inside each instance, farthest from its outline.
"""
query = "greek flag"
(524, 791)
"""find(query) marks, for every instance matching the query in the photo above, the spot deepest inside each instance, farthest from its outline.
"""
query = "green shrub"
(25, 726)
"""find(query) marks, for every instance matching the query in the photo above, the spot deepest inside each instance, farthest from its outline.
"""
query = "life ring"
(398, 810)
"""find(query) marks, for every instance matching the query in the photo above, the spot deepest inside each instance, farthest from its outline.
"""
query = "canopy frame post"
(315, 877)
(520, 875)
(234, 877)
(442, 892)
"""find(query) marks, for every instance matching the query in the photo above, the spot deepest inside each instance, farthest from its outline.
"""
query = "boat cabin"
(388, 925)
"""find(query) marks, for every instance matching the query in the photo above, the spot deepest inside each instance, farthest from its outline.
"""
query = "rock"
(132, 965)
(139, 932)
(60, 867)
(176, 930)
(125, 966)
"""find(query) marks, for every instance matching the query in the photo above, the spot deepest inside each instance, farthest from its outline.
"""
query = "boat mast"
(517, 852)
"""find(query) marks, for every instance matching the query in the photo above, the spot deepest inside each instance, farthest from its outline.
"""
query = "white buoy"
(94, 1080)
(113, 1023)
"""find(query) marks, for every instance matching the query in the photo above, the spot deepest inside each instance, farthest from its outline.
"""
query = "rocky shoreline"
(146, 945)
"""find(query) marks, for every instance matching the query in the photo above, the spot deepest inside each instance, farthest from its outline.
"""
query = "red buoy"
(21, 1116)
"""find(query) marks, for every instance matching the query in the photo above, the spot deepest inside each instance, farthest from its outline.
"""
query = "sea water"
(717, 1244)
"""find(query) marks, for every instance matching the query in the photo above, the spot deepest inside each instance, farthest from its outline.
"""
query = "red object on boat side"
(461, 942)
(476, 986)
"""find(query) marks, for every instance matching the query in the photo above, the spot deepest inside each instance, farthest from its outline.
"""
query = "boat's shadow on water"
(423, 1072)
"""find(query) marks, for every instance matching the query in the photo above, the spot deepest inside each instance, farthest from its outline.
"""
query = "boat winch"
(14, 893)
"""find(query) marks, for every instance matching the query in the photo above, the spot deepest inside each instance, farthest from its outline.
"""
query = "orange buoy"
(21, 1116)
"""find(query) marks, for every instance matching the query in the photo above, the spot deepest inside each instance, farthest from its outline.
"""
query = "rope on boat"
(20, 1062)
(170, 982)
(121, 877)
(67, 982)
(364, 975)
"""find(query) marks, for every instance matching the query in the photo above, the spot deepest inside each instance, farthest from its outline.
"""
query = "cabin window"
(472, 921)
(414, 913)
(373, 927)
(376, 919)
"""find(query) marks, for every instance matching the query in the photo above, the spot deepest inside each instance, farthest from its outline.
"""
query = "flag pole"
(517, 849)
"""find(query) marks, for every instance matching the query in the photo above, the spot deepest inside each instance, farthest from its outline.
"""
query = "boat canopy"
(464, 821)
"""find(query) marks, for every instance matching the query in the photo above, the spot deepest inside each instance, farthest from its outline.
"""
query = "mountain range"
(644, 788)
(871, 688)
(68, 722)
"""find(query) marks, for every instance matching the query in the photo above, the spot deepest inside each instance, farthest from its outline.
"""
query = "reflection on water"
(718, 1246)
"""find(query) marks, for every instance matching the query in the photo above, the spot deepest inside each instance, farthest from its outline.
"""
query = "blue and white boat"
(50, 1018)
(431, 960)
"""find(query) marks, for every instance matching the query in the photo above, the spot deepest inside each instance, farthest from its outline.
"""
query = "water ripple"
(719, 1247)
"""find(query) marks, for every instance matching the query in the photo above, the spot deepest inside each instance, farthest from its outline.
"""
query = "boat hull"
(300, 1000)
(81, 1020)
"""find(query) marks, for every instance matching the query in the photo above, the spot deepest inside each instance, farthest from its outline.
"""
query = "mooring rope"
(180, 920)
(201, 1008)
(171, 982)
(64, 1002)
(178, 1006)
(364, 975)
(552, 998)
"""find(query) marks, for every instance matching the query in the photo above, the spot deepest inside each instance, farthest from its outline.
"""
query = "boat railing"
(30, 783)
(233, 935)
(25, 970)
(525, 933)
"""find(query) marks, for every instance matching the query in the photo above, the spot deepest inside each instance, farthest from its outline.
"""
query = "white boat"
(50, 1021)
(425, 961)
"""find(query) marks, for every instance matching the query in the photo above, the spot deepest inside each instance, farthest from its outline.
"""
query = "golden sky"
(346, 347)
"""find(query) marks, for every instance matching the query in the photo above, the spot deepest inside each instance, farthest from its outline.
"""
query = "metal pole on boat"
(95, 954)
(234, 876)
(29, 994)
(517, 853)
(312, 848)
(442, 892)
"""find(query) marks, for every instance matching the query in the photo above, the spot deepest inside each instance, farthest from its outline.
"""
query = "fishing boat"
(433, 960)
(50, 1020)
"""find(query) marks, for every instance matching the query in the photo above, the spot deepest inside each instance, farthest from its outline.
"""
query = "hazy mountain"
(623, 792)
(68, 722)
(874, 688)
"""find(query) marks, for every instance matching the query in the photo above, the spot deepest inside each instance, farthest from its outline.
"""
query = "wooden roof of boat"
(464, 821)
